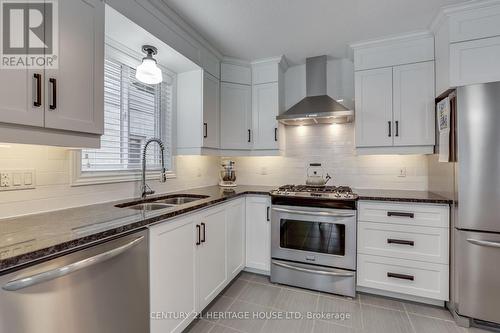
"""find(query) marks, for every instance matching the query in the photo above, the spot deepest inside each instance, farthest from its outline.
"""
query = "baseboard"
(400, 296)
(257, 271)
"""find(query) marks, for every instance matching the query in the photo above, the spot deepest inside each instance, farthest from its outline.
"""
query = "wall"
(53, 191)
(333, 146)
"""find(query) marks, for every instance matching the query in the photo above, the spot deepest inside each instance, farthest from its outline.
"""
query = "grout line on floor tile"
(411, 323)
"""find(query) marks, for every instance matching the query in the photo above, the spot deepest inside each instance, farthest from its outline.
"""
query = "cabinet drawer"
(403, 276)
(401, 241)
(475, 62)
(403, 213)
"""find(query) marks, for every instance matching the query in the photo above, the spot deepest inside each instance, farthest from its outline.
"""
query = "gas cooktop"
(324, 192)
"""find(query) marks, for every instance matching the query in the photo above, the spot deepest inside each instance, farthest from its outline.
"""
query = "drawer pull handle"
(401, 214)
(400, 241)
(400, 276)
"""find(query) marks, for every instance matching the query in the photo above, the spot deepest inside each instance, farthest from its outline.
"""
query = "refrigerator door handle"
(70, 268)
(483, 243)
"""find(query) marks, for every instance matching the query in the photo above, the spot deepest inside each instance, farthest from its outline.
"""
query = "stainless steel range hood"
(317, 107)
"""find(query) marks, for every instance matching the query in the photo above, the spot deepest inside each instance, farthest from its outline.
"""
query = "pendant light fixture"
(148, 71)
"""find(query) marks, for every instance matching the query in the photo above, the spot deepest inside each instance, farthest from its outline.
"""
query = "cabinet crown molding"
(280, 60)
(236, 61)
(448, 11)
(392, 39)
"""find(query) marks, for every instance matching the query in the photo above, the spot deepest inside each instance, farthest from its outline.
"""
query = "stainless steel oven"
(314, 248)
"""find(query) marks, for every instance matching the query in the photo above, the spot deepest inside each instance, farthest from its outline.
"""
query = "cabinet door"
(20, 91)
(374, 108)
(265, 108)
(414, 104)
(172, 273)
(235, 223)
(211, 256)
(211, 111)
(75, 91)
(258, 235)
(236, 116)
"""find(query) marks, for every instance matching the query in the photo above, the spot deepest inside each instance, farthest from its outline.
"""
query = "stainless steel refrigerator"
(474, 170)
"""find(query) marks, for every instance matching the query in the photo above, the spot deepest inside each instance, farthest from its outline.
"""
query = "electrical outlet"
(4, 179)
(17, 179)
(402, 172)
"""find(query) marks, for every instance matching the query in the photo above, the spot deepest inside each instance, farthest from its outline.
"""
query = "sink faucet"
(146, 190)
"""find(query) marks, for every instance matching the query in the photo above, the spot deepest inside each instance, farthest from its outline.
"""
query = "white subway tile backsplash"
(333, 146)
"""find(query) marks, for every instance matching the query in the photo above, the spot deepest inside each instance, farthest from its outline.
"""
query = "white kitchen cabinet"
(258, 233)
(413, 104)
(211, 111)
(475, 61)
(373, 94)
(265, 108)
(236, 116)
(173, 272)
(211, 255)
(19, 97)
(71, 96)
(75, 91)
(403, 250)
(394, 95)
(236, 73)
(235, 223)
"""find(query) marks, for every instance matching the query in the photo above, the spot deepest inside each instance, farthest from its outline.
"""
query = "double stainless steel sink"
(162, 202)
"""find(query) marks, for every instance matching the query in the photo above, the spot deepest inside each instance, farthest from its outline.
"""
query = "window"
(133, 113)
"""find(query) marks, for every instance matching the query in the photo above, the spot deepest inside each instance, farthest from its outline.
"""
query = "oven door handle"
(304, 212)
(300, 269)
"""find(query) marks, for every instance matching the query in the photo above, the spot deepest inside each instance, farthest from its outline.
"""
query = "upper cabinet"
(467, 44)
(395, 96)
(236, 116)
(63, 105)
(211, 111)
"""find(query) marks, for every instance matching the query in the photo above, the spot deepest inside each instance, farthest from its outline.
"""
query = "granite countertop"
(26, 239)
(31, 238)
(402, 196)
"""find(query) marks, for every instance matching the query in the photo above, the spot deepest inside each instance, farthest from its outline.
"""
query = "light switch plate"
(17, 179)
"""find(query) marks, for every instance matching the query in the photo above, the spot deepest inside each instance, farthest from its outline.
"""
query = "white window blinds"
(133, 113)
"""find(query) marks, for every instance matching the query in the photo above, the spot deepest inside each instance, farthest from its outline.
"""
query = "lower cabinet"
(172, 273)
(235, 224)
(403, 250)
(258, 233)
(192, 259)
(211, 254)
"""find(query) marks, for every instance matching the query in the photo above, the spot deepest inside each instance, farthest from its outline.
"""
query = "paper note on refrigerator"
(443, 117)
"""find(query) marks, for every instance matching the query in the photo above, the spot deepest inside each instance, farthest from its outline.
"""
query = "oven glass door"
(314, 235)
(319, 237)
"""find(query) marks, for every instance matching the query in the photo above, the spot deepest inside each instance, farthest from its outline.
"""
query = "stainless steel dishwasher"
(100, 289)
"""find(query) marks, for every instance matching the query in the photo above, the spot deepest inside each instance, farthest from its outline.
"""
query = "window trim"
(131, 58)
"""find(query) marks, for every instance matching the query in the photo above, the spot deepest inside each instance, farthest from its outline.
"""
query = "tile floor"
(256, 295)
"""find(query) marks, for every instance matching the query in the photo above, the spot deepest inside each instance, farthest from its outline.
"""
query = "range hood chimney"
(317, 107)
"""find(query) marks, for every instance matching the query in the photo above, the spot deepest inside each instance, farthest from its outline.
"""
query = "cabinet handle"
(249, 136)
(267, 214)
(38, 98)
(400, 214)
(205, 130)
(53, 105)
(400, 276)
(276, 134)
(204, 234)
(400, 241)
(390, 129)
(397, 128)
(198, 232)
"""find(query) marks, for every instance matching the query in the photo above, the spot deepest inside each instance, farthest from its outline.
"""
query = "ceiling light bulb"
(148, 71)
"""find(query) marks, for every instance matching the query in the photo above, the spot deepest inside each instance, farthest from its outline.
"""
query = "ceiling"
(256, 29)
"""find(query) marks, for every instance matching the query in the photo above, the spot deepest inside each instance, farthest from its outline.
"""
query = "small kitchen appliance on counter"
(227, 174)
(313, 238)
(316, 175)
